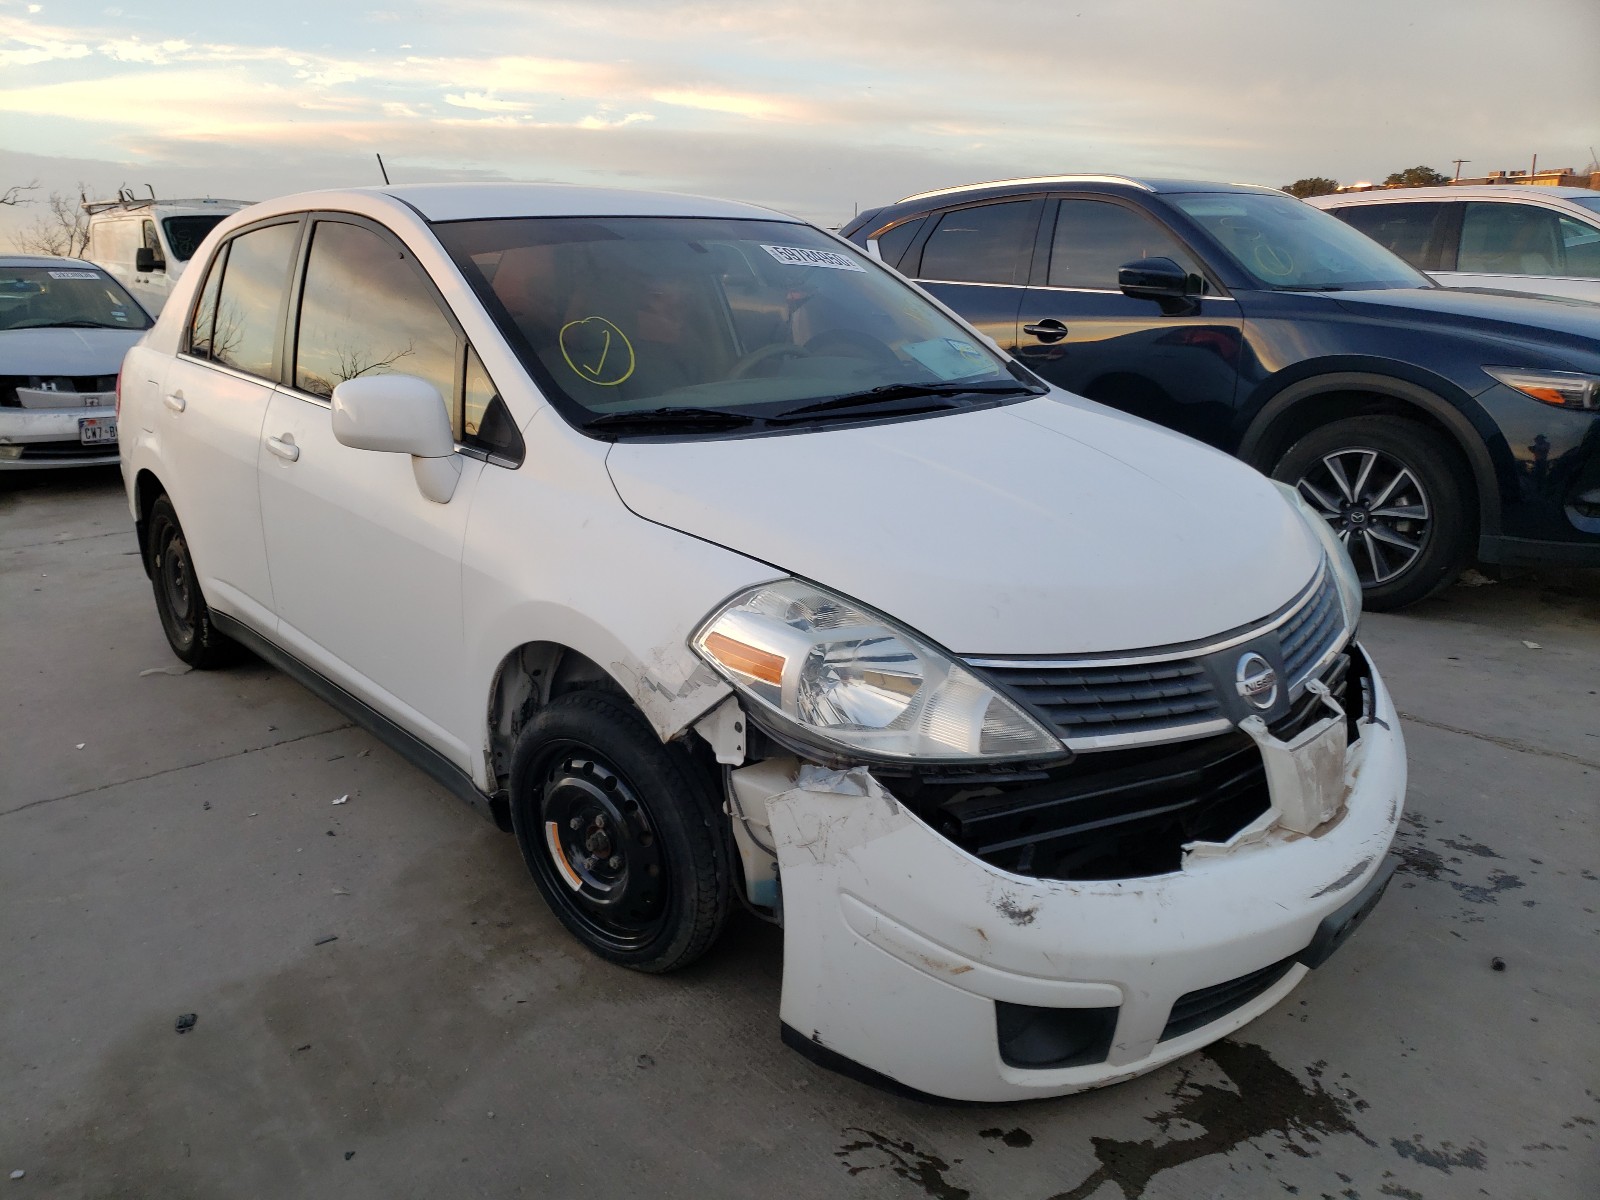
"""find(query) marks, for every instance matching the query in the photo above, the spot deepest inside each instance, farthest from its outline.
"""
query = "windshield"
(184, 234)
(1287, 245)
(74, 295)
(710, 320)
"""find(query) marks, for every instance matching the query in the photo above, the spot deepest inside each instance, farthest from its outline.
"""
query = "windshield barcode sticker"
(74, 274)
(799, 256)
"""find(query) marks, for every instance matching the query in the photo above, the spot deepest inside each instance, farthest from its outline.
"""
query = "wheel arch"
(532, 674)
(146, 490)
(1307, 403)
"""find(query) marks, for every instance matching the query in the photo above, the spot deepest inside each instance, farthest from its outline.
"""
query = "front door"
(1080, 332)
(366, 571)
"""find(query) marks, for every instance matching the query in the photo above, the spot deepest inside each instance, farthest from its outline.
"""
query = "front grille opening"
(1201, 1007)
(1118, 814)
(1046, 1039)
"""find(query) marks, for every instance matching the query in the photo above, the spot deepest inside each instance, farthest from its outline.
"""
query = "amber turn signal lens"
(746, 659)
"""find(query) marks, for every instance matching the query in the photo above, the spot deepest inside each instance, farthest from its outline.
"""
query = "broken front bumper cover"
(909, 961)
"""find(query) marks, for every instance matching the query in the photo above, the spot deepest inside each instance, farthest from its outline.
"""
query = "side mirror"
(400, 414)
(1162, 280)
(145, 260)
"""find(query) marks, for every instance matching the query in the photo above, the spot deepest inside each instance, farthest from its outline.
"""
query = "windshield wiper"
(889, 392)
(651, 419)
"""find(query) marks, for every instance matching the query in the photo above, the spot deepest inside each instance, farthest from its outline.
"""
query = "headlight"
(1344, 571)
(825, 670)
(1563, 389)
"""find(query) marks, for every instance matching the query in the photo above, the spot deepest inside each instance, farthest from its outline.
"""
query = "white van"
(144, 244)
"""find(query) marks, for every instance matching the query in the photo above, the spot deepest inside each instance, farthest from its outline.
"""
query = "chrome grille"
(1142, 697)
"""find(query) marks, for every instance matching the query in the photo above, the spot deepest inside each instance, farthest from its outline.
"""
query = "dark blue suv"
(1428, 425)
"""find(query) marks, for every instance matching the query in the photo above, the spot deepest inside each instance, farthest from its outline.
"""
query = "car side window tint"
(991, 243)
(205, 312)
(251, 299)
(1405, 229)
(1580, 245)
(1509, 239)
(365, 310)
(487, 423)
(894, 241)
(1094, 239)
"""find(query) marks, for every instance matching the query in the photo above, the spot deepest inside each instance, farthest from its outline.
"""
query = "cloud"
(484, 103)
(746, 104)
(602, 121)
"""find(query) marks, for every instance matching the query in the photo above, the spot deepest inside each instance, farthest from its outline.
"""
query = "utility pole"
(1459, 162)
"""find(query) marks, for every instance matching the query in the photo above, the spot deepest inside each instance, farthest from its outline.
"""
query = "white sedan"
(64, 327)
(719, 564)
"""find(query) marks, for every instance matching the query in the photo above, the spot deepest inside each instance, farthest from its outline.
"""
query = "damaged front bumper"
(913, 962)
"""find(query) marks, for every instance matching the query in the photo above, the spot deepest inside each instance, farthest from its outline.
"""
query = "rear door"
(1423, 232)
(977, 259)
(1080, 332)
(213, 399)
(366, 571)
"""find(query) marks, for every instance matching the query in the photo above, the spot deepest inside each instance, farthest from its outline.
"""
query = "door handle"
(284, 448)
(1048, 330)
(175, 401)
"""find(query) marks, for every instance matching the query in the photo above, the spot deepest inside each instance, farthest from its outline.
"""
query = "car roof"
(487, 201)
(1470, 191)
(42, 260)
(1092, 182)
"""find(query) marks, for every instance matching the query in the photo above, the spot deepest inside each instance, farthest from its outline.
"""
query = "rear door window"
(988, 243)
(1410, 230)
(894, 241)
(250, 302)
(1096, 238)
(1509, 239)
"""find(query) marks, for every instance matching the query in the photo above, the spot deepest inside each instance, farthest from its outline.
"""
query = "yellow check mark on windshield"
(604, 350)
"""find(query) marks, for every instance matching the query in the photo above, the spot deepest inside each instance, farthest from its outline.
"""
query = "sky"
(812, 107)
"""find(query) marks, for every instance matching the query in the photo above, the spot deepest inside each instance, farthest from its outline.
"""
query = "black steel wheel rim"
(601, 853)
(177, 582)
(1376, 505)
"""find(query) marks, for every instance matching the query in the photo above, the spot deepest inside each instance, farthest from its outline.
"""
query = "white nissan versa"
(719, 563)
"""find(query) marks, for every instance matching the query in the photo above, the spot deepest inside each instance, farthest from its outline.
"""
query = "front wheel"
(185, 617)
(622, 834)
(1396, 497)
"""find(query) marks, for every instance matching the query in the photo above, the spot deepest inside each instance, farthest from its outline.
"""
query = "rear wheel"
(1396, 497)
(185, 618)
(622, 834)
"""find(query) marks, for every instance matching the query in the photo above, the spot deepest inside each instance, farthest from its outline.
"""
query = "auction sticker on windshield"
(74, 275)
(799, 256)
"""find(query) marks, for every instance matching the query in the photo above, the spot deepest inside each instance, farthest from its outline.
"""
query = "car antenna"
(383, 169)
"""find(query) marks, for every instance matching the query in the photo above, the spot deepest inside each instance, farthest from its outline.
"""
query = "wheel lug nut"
(600, 821)
(575, 823)
(614, 861)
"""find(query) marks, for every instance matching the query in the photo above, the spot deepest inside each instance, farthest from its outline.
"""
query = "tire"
(1397, 496)
(185, 617)
(623, 835)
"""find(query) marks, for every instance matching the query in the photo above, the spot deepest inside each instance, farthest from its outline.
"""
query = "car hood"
(1047, 527)
(65, 351)
(1516, 315)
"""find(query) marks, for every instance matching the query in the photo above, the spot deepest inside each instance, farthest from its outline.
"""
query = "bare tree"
(19, 193)
(62, 231)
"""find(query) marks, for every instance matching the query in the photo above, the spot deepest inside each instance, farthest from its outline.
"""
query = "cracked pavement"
(451, 1040)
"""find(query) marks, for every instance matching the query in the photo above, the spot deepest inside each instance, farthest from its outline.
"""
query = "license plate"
(97, 429)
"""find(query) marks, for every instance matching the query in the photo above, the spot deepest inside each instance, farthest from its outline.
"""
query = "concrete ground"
(169, 844)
